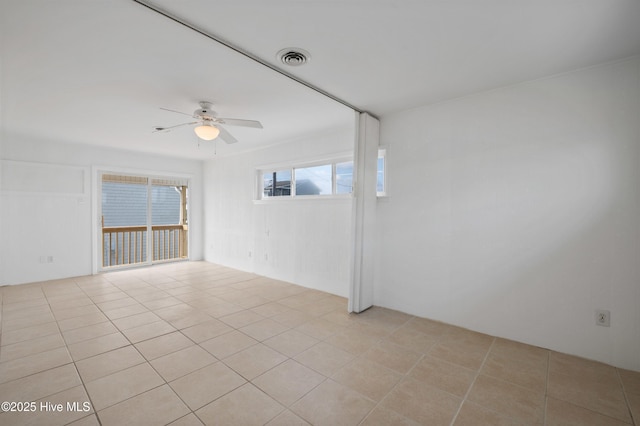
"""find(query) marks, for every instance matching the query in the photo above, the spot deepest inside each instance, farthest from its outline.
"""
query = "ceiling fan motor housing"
(205, 112)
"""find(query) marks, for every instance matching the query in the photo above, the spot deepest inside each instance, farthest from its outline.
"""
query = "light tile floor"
(192, 343)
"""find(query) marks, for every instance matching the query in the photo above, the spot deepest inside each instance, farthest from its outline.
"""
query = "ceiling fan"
(210, 124)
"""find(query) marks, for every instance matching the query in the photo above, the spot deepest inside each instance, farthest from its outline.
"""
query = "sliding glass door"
(169, 225)
(143, 220)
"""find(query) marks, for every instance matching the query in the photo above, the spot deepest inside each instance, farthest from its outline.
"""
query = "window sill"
(304, 198)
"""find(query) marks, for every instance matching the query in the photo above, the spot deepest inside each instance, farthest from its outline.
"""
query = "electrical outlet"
(603, 318)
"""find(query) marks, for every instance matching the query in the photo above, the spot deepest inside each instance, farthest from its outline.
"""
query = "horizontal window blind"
(170, 182)
(124, 179)
(144, 180)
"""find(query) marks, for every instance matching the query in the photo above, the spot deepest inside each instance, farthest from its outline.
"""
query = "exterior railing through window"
(127, 245)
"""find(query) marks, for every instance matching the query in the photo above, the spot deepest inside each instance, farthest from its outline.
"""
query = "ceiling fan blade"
(177, 112)
(238, 122)
(226, 136)
(162, 129)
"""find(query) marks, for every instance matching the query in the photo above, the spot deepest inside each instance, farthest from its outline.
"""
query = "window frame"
(275, 171)
(382, 153)
(292, 166)
(333, 180)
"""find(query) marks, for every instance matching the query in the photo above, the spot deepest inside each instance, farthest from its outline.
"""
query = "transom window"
(334, 178)
(381, 179)
(317, 179)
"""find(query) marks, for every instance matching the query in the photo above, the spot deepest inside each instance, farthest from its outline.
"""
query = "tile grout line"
(142, 356)
(546, 388)
(404, 376)
(466, 395)
(84, 385)
(285, 408)
(219, 360)
(191, 411)
(54, 294)
(73, 362)
(130, 344)
(626, 398)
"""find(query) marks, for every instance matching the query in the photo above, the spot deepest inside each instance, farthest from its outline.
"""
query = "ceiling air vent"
(293, 56)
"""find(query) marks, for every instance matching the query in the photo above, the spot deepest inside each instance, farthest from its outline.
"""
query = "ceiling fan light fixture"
(207, 132)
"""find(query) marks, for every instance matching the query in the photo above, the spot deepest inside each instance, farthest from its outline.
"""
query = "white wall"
(1, 198)
(51, 215)
(516, 212)
(306, 242)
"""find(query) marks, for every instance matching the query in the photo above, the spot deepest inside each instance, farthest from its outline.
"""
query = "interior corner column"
(364, 213)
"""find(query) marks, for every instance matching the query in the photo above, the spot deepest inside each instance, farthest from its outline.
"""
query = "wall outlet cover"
(603, 318)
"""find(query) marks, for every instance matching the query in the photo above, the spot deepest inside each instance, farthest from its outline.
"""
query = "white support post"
(364, 213)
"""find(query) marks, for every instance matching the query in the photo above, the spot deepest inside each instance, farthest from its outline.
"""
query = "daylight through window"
(381, 181)
(276, 183)
(334, 178)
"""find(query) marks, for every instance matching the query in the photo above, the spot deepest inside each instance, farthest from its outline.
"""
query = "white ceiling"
(388, 55)
(97, 71)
